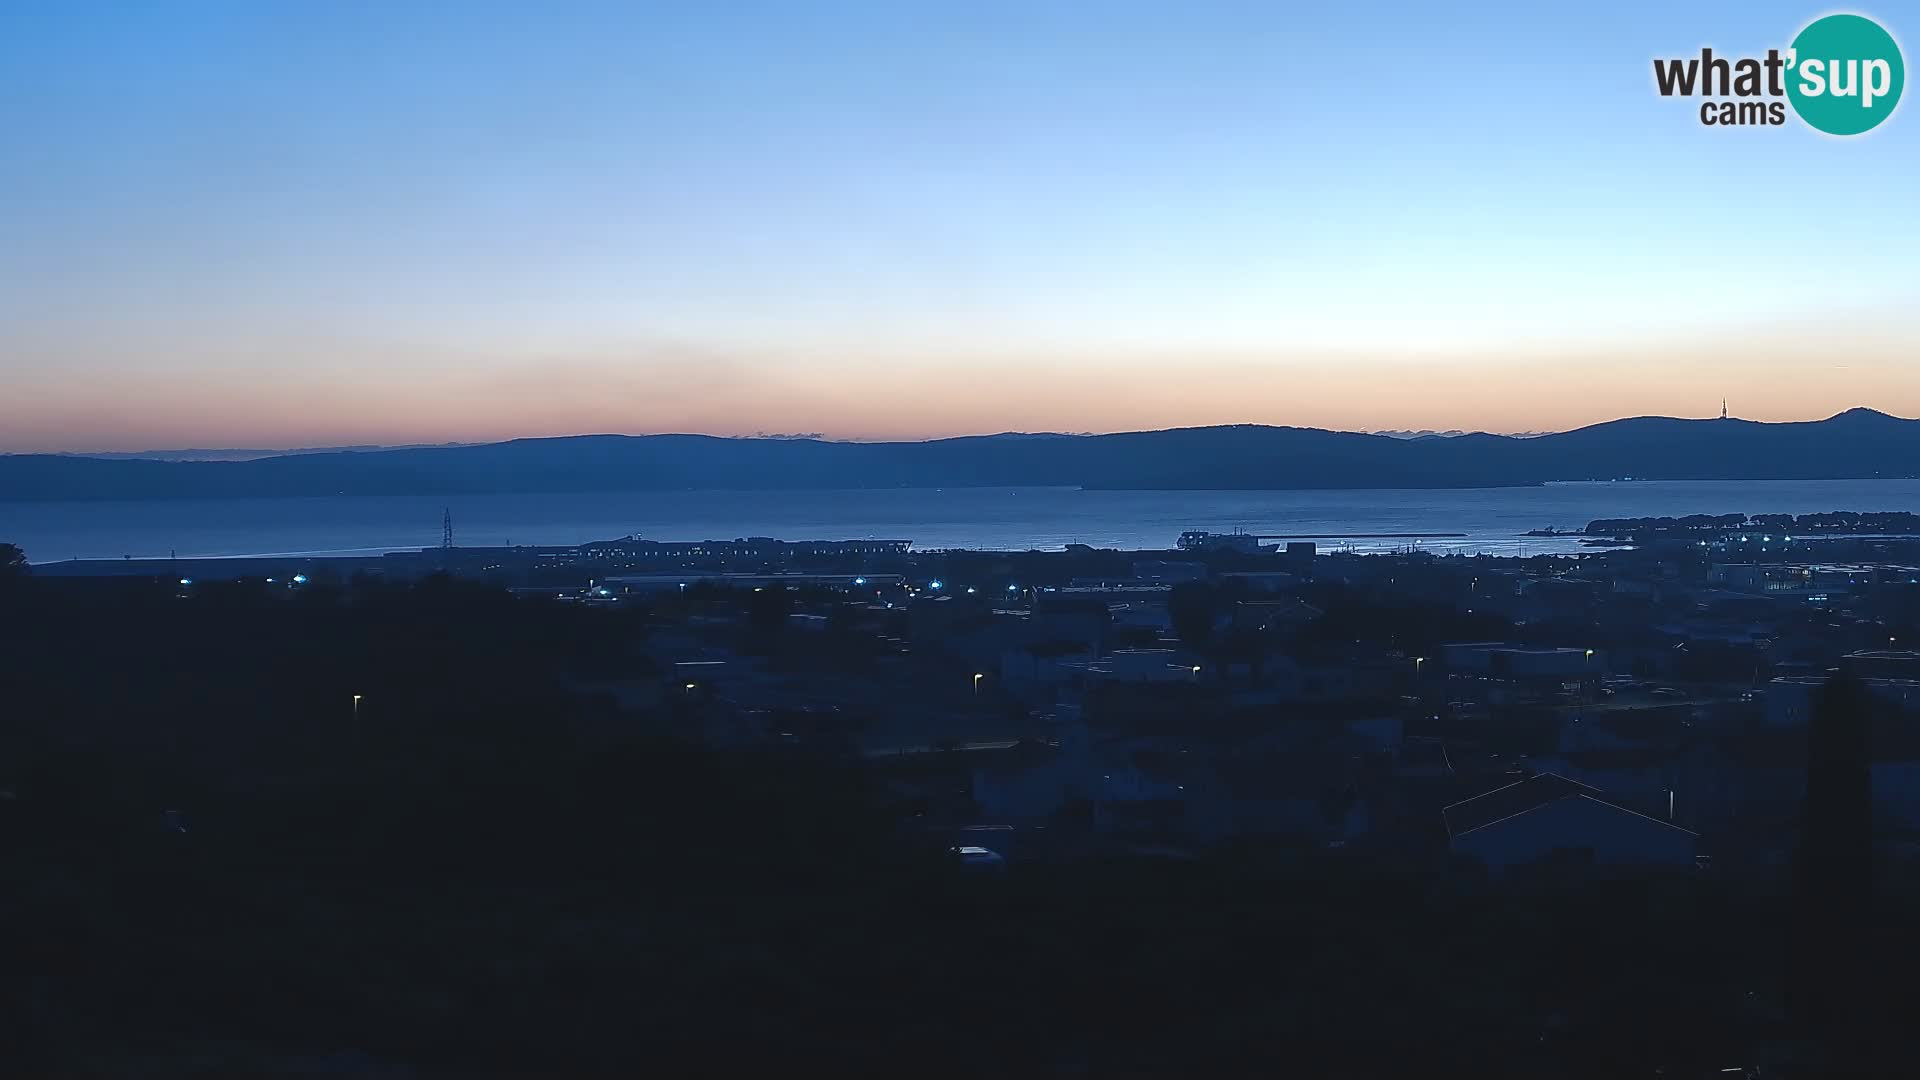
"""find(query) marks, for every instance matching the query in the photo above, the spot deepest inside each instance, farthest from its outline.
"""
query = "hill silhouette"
(1859, 443)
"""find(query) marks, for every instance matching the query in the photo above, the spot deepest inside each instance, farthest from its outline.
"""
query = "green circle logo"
(1845, 74)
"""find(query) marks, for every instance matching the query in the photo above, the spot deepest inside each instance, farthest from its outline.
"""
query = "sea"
(1490, 520)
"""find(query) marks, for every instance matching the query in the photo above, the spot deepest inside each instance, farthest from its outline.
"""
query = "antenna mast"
(446, 529)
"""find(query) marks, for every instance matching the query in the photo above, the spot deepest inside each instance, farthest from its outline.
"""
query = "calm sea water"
(1009, 518)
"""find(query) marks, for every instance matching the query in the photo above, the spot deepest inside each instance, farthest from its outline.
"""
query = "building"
(1884, 664)
(1150, 665)
(1164, 570)
(1502, 661)
(1551, 817)
(1273, 615)
(635, 550)
(1261, 581)
(1790, 698)
(642, 584)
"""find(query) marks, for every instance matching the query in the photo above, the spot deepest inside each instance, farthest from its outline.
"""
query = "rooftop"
(1521, 797)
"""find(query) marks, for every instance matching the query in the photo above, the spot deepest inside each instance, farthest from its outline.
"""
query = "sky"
(269, 224)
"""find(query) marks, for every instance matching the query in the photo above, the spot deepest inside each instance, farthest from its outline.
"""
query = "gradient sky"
(275, 224)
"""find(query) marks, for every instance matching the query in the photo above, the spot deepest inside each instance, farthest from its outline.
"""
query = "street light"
(356, 706)
(977, 676)
(1417, 661)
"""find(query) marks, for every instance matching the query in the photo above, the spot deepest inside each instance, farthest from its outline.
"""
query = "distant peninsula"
(1857, 444)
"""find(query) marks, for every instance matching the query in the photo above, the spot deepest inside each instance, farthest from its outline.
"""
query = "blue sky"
(294, 224)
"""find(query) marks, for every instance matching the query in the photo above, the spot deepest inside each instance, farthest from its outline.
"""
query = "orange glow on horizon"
(1775, 377)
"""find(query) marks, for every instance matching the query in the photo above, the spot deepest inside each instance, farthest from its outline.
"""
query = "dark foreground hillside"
(219, 865)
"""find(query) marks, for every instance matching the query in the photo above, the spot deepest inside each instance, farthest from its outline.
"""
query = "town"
(1096, 700)
(1458, 752)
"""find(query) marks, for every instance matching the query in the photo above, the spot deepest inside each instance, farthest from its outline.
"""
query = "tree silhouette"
(1835, 860)
(767, 611)
(13, 563)
(1193, 607)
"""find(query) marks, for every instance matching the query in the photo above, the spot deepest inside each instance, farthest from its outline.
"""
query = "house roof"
(1523, 797)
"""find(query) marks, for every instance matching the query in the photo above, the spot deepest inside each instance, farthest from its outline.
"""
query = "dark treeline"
(219, 863)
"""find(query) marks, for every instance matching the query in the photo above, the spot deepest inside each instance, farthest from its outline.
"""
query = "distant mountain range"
(1429, 433)
(1859, 443)
(246, 455)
